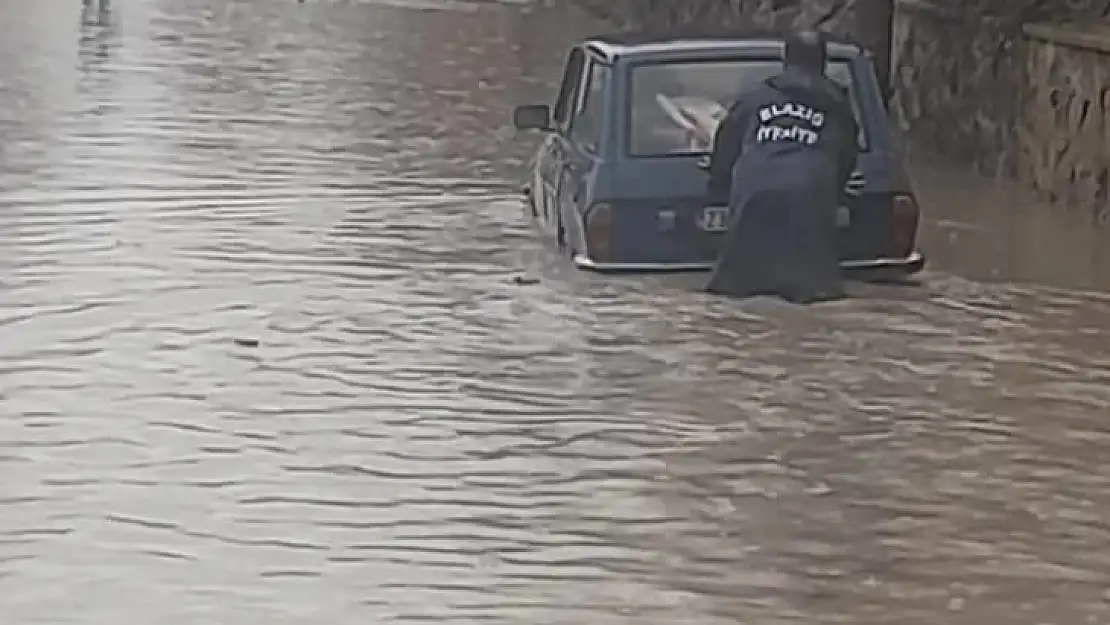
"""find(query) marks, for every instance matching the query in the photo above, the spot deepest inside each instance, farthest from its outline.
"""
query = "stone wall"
(1063, 139)
(957, 85)
(1031, 101)
(834, 15)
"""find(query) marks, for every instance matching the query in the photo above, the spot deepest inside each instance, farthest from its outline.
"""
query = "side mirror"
(532, 117)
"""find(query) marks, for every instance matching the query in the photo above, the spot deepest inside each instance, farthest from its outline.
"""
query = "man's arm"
(727, 146)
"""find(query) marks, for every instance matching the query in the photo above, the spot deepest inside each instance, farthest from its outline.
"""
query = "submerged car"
(619, 181)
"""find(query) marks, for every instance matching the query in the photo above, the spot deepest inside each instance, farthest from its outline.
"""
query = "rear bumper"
(910, 265)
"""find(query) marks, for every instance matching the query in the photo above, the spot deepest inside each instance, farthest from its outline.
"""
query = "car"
(618, 181)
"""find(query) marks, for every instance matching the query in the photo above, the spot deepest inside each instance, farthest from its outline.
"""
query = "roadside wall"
(834, 15)
(957, 84)
(1064, 126)
(978, 82)
(1008, 98)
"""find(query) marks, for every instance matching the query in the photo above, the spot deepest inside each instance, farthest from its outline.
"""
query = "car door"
(541, 177)
(553, 156)
(582, 144)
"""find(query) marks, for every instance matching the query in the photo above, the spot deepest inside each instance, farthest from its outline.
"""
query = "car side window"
(568, 90)
(586, 125)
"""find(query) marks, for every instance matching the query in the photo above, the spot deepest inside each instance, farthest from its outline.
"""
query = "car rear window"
(675, 105)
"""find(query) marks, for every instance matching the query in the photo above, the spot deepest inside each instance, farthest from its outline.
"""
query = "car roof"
(662, 44)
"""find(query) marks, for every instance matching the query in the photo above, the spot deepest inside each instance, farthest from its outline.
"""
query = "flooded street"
(416, 438)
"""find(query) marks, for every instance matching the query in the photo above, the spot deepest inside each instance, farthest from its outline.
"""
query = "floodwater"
(417, 438)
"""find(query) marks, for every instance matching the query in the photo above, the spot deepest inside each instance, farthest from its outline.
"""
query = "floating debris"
(525, 280)
(247, 342)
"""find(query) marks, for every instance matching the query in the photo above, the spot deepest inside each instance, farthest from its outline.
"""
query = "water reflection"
(98, 12)
(418, 438)
(98, 41)
(996, 231)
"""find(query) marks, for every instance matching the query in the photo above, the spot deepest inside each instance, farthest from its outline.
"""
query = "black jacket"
(781, 116)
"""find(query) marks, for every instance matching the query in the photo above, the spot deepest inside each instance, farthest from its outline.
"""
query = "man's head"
(806, 51)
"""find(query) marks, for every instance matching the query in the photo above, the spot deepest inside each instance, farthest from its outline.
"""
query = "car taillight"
(904, 218)
(599, 229)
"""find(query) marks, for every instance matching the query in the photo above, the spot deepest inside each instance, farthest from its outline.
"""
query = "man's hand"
(855, 185)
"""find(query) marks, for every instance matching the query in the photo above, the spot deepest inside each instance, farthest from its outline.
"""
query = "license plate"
(714, 219)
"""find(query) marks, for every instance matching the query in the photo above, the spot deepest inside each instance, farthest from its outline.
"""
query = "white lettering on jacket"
(792, 122)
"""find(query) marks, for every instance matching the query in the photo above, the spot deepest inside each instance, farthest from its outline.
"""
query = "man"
(781, 158)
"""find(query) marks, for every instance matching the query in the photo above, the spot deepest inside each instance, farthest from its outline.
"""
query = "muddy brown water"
(418, 439)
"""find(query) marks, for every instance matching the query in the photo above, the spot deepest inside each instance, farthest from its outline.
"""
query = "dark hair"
(806, 50)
